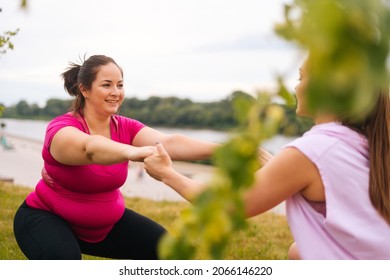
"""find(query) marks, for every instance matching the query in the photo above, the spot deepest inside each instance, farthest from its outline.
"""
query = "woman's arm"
(74, 147)
(284, 175)
(287, 173)
(159, 166)
(179, 147)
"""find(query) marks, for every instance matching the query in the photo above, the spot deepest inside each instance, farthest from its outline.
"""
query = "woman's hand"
(159, 164)
(140, 153)
(160, 167)
(265, 156)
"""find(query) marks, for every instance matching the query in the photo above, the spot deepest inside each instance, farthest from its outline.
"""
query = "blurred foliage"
(217, 213)
(23, 4)
(5, 41)
(348, 46)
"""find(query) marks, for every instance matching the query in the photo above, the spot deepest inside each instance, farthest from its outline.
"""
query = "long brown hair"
(376, 127)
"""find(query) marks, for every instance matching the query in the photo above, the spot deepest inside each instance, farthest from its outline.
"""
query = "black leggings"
(44, 235)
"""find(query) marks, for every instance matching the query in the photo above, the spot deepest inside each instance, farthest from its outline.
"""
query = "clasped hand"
(159, 164)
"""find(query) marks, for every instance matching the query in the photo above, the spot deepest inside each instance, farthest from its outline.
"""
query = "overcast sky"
(197, 49)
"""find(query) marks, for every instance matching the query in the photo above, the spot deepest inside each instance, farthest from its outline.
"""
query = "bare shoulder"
(290, 169)
(288, 173)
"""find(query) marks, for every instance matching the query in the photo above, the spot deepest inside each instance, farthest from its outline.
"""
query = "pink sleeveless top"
(86, 196)
(351, 228)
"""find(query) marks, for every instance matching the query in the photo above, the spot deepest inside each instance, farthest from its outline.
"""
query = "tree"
(23, 108)
(55, 107)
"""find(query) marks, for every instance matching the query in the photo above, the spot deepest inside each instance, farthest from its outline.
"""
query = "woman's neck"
(325, 118)
(97, 125)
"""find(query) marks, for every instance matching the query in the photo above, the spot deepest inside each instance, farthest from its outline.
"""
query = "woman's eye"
(106, 85)
(120, 86)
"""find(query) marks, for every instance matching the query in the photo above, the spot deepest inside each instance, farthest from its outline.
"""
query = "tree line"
(166, 112)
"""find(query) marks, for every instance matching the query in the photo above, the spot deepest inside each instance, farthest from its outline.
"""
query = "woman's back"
(352, 228)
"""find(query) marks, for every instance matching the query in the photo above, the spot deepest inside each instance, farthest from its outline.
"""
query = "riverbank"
(23, 163)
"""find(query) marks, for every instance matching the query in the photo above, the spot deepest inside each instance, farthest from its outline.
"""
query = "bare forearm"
(160, 167)
(181, 147)
(183, 185)
(101, 150)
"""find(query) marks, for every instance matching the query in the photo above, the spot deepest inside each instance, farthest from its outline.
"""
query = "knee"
(44, 236)
(293, 253)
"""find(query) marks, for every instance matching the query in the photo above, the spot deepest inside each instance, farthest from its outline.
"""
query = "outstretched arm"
(74, 147)
(159, 166)
(179, 147)
(287, 173)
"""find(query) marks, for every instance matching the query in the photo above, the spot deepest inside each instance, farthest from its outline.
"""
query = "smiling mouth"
(112, 101)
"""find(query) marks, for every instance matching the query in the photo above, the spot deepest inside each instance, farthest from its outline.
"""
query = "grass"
(267, 237)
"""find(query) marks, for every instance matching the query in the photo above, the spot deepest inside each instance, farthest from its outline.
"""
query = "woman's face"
(300, 91)
(106, 93)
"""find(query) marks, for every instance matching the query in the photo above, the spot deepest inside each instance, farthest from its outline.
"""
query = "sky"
(197, 49)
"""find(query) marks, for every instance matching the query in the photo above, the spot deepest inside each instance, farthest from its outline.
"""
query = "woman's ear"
(83, 91)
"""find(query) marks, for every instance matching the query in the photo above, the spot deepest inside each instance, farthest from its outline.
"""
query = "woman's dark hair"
(83, 74)
(376, 127)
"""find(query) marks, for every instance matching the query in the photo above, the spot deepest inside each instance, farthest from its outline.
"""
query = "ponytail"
(71, 85)
(70, 79)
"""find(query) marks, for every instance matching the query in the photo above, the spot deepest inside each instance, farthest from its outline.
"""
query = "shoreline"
(23, 163)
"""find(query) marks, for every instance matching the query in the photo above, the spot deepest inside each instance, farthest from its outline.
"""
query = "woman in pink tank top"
(77, 207)
(334, 179)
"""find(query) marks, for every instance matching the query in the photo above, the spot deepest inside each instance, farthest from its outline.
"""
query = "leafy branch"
(218, 211)
(5, 37)
(5, 41)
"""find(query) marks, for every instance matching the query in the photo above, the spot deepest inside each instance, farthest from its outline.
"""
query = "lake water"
(35, 130)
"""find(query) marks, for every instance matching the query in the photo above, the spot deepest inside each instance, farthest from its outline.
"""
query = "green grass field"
(267, 237)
